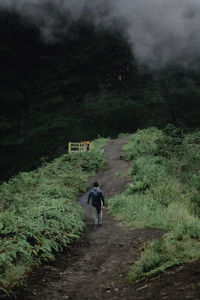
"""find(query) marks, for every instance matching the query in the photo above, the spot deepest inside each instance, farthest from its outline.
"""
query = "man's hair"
(95, 184)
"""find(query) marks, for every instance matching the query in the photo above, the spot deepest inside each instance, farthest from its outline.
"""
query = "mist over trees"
(159, 31)
(87, 83)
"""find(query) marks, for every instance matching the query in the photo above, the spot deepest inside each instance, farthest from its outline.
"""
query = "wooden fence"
(80, 147)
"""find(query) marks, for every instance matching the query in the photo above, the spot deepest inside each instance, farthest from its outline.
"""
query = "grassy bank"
(164, 194)
(39, 213)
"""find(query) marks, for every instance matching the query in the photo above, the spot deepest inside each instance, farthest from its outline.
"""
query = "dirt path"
(96, 266)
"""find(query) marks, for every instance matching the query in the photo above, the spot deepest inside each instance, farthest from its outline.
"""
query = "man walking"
(97, 203)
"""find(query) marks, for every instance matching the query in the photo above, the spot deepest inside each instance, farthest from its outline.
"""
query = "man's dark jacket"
(97, 197)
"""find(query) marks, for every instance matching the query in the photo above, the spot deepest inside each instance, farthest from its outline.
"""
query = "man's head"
(95, 184)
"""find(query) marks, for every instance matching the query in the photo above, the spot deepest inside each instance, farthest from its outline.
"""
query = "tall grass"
(39, 213)
(164, 194)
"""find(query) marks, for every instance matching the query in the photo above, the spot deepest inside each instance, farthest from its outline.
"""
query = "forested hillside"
(82, 85)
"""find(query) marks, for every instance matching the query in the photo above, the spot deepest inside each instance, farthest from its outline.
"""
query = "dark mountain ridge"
(85, 84)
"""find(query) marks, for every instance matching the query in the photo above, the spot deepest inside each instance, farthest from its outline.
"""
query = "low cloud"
(160, 31)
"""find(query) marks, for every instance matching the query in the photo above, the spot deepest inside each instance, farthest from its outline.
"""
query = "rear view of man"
(97, 203)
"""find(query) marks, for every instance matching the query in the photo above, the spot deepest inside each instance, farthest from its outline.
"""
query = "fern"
(39, 213)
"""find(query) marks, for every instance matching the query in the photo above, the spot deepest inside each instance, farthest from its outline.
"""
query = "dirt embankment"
(96, 266)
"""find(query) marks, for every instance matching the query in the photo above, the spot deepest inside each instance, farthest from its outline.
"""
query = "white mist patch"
(160, 31)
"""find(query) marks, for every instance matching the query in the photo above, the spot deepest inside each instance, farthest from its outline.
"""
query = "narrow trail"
(96, 266)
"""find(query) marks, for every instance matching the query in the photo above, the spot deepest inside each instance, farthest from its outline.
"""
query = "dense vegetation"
(87, 83)
(164, 194)
(77, 88)
(40, 214)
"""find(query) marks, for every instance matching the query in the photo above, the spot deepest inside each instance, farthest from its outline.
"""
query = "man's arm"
(89, 196)
(102, 198)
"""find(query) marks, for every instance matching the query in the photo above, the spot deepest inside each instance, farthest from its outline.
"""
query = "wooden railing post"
(69, 147)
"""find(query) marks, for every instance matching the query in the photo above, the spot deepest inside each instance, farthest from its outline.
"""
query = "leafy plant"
(163, 194)
(40, 214)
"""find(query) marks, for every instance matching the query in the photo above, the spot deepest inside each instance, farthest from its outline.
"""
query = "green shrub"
(142, 142)
(40, 214)
(163, 194)
(170, 142)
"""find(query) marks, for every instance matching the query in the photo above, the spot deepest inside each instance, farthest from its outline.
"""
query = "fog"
(160, 31)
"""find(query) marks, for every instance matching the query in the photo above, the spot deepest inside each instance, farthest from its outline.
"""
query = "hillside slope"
(97, 266)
